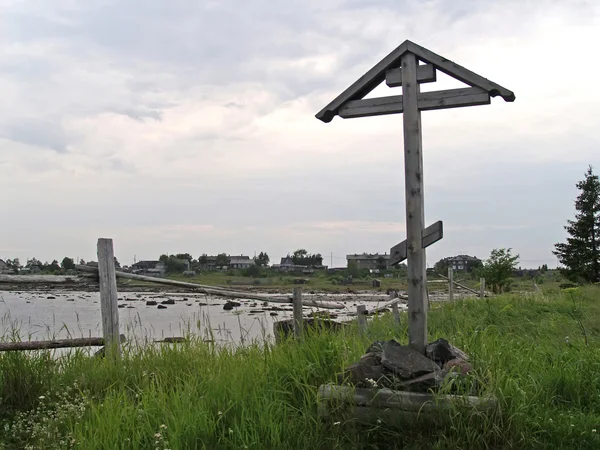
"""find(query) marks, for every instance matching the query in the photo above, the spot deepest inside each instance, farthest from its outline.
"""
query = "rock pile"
(392, 365)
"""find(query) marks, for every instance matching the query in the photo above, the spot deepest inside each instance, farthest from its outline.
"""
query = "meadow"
(538, 353)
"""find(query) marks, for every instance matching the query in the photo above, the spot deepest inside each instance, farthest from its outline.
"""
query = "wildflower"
(157, 436)
(336, 423)
(220, 413)
(572, 425)
(230, 431)
(371, 381)
(163, 427)
(41, 397)
(593, 430)
(551, 420)
(378, 421)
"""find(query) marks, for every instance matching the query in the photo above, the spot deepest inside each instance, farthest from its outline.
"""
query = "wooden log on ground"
(217, 291)
(45, 345)
(459, 285)
(405, 401)
(39, 279)
(370, 312)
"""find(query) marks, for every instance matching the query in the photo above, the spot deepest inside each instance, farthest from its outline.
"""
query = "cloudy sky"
(188, 126)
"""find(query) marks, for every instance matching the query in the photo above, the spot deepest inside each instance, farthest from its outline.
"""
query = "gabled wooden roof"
(376, 75)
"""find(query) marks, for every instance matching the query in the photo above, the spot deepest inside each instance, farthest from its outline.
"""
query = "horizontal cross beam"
(425, 74)
(427, 101)
(430, 235)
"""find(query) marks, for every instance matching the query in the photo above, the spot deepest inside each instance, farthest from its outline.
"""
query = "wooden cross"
(401, 68)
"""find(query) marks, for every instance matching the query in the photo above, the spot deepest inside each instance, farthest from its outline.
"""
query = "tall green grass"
(530, 352)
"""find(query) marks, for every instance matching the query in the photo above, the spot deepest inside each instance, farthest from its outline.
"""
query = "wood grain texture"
(109, 306)
(431, 235)
(450, 284)
(415, 213)
(56, 343)
(297, 312)
(361, 317)
(425, 74)
(39, 279)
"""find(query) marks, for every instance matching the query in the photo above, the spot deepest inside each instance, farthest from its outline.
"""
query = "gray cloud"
(36, 132)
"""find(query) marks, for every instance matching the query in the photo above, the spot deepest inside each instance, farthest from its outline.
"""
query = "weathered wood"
(55, 343)
(456, 283)
(431, 235)
(109, 305)
(458, 72)
(297, 312)
(425, 74)
(427, 101)
(482, 287)
(39, 279)
(405, 401)
(415, 213)
(361, 317)
(450, 284)
(396, 313)
(216, 290)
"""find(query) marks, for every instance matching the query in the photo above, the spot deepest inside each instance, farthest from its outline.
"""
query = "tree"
(175, 265)
(303, 258)
(53, 266)
(299, 254)
(164, 259)
(441, 266)
(262, 260)
(203, 259)
(498, 269)
(82, 262)
(68, 263)
(117, 263)
(580, 255)
(222, 260)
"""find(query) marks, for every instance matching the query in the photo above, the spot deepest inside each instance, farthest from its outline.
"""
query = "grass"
(528, 350)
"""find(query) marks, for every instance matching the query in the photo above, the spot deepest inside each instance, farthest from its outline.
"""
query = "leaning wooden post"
(415, 212)
(396, 313)
(297, 300)
(450, 284)
(361, 317)
(482, 287)
(108, 297)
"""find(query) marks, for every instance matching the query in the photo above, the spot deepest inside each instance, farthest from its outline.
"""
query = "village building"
(463, 262)
(5, 268)
(240, 262)
(150, 268)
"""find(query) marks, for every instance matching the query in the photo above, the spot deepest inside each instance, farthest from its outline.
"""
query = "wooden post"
(361, 317)
(297, 300)
(415, 212)
(108, 297)
(450, 284)
(482, 287)
(396, 313)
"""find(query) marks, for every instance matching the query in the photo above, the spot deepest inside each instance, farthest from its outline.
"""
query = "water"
(35, 315)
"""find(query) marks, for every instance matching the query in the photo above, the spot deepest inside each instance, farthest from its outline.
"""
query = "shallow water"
(35, 315)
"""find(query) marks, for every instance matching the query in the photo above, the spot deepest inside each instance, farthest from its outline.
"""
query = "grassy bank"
(530, 352)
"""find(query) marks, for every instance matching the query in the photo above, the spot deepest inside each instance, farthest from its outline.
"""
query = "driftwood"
(387, 305)
(459, 285)
(57, 343)
(214, 290)
(404, 401)
(49, 279)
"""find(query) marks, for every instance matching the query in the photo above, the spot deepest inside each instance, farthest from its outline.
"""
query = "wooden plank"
(453, 98)
(415, 212)
(431, 235)
(364, 84)
(108, 297)
(361, 317)
(450, 284)
(404, 401)
(456, 283)
(39, 279)
(458, 72)
(482, 287)
(56, 343)
(216, 290)
(297, 312)
(425, 74)
(427, 101)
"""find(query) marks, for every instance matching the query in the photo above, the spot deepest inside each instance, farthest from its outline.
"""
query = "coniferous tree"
(580, 254)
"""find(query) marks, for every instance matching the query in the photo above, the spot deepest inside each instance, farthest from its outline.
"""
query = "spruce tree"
(580, 255)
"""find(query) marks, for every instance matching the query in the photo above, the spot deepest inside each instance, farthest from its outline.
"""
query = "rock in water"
(162, 307)
(151, 303)
(406, 362)
(441, 351)
(168, 302)
(230, 305)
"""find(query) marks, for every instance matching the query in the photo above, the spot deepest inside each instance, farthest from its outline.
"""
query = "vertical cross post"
(482, 287)
(108, 297)
(415, 211)
(297, 312)
(450, 284)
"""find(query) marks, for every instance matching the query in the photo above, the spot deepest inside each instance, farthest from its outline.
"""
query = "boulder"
(457, 365)
(406, 362)
(168, 302)
(151, 303)
(442, 351)
(364, 372)
(228, 306)
(162, 307)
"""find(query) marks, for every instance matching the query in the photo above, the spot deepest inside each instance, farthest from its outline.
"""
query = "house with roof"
(5, 268)
(463, 262)
(240, 262)
(149, 267)
(369, 260)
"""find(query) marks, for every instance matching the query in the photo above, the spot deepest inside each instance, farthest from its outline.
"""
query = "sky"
(188, 126)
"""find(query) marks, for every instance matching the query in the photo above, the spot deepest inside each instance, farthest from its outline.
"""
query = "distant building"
(240, 262)
(287, 265)
(463, 262)
(370, 260)
(5, 268)
(152, 268)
